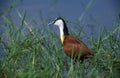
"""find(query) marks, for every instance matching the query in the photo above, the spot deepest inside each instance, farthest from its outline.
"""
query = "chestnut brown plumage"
(73, 47)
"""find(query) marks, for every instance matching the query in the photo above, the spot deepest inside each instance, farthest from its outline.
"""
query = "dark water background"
(93, 14)
(89, 13)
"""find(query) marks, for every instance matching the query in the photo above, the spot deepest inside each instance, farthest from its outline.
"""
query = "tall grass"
(37, 54)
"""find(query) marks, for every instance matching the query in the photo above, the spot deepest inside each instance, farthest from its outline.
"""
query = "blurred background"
(90, 13)
(29, 48)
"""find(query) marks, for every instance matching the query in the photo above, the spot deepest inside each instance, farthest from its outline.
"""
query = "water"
(93, 14)
(98, 13)
(89, 13)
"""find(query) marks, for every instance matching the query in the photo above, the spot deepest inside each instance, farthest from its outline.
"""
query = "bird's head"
(60, 22)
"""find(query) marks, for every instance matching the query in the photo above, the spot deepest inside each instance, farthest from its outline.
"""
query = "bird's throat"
(62, 38)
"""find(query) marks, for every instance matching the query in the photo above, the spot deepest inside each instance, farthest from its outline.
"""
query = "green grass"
(39, 54)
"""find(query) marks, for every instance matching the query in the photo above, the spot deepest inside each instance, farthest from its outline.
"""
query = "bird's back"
(74, 47)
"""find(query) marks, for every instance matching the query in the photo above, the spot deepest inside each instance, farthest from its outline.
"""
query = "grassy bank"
(29, 53)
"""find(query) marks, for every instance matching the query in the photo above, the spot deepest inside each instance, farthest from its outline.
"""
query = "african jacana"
(72, 46)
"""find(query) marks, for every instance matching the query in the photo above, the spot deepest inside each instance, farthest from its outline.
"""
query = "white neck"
(60, 24)
(61, 32)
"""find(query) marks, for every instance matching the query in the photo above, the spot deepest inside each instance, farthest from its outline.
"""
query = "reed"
(37, 54)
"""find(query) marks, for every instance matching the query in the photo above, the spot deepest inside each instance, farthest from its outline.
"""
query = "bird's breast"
(74, 47)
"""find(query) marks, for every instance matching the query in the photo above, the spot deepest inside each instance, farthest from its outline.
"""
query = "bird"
(73, 47)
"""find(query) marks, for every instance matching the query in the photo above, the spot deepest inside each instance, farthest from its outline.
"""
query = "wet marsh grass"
(37, 54)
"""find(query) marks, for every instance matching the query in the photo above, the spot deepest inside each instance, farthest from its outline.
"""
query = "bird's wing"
(76, 44)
